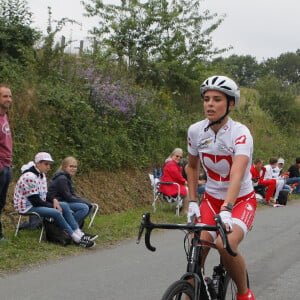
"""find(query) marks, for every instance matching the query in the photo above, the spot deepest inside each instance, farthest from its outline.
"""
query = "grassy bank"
(122, 196)
(25, 250)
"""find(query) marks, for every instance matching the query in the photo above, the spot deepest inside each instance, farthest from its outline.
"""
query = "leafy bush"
(278, 99)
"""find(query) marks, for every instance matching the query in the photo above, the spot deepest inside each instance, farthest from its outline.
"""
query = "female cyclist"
(224, 148)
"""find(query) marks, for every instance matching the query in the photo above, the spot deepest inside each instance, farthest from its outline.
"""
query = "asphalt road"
(131, 272)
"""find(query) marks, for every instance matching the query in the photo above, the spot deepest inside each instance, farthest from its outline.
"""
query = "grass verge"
(25, 250)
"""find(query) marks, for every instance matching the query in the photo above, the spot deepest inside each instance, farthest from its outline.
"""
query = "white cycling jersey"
(217, 151)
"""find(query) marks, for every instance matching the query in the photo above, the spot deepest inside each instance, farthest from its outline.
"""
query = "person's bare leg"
(185, 204)
(235, 265)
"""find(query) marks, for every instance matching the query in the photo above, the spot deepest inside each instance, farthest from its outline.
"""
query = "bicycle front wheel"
(230, 288)
(179, 290)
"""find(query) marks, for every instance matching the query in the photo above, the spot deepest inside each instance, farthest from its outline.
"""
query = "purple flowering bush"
(114, 96)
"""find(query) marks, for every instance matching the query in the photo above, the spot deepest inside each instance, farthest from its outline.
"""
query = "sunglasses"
(178, 156)
(73, 166)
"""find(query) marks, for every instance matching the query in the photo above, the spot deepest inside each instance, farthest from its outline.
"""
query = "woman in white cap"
(30, 196)
(279, 174)
(268, 173)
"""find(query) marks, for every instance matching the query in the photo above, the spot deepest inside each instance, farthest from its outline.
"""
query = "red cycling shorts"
(243, 211)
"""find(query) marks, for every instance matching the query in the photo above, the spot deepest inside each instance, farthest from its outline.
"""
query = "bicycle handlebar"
(146, 223)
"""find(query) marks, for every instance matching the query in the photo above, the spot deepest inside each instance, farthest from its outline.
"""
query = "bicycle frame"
(194, 269)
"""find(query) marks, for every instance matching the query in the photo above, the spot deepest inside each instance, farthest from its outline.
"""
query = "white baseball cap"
(280, 161)
(43, 156)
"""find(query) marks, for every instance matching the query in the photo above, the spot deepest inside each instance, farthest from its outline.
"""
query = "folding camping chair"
(93, 213)
(21, 215)
(158, 195)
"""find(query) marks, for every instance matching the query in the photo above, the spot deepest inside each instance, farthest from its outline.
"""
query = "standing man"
(5, 149)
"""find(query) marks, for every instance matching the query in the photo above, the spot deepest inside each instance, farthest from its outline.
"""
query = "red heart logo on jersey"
(217, 166)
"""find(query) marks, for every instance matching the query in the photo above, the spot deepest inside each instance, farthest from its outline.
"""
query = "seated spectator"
(279, 174)
(257, 171)
(172, 172)
(201, 182)
(294, 176)
(277, 170)
(268, 174)
(30, 196)
(62, 188)
(183, 164)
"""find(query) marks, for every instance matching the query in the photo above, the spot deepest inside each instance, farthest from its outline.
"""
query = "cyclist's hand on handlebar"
(226, 219)
(193, 210)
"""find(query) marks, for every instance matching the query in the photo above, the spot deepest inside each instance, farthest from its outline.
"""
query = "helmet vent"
(221, 82)
(215, 79)
(226, 87)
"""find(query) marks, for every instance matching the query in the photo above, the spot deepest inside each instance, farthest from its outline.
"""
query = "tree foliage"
(286, 67)
(17, 38)
(278, 99)
(15, 12)
(160, 41)
(51, 53)
(244, 69)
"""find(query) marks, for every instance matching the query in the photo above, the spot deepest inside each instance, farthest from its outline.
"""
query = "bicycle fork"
(196, 273)
(199, 285)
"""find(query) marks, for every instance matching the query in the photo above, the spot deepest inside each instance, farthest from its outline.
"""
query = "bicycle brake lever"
(140, 233)
(223, 234)
(193, 219)
(147, 240)
(146, 223)
(142, 226)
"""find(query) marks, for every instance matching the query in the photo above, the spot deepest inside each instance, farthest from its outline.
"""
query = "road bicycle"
(219, 286)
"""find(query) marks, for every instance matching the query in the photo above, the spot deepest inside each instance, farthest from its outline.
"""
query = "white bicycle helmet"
(222, 84)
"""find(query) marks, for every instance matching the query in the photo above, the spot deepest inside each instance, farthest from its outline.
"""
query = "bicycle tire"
(179, 290)
(229, 288)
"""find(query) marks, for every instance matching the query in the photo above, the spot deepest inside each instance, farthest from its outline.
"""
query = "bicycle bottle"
(217, 280)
